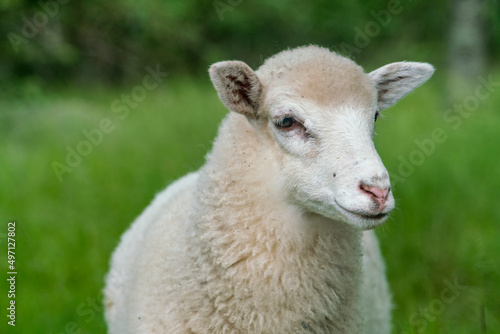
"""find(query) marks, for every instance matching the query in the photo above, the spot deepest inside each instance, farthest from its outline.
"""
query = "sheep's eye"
(285, 122)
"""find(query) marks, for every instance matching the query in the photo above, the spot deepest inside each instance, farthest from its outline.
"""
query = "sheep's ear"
(395, 81)
(237, 86)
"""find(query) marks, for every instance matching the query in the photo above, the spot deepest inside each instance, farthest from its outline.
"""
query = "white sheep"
(272, 234)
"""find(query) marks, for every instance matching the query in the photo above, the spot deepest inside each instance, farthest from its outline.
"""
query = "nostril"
(376, 192)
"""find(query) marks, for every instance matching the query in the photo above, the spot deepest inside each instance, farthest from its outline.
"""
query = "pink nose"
(378, 194)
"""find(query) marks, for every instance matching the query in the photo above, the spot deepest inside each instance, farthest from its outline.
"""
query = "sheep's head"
(318, 110)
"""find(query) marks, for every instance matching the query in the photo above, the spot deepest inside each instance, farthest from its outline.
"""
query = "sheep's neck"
(267, 253)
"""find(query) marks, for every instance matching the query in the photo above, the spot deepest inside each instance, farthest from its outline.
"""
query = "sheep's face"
(317, 111)
(328, 163)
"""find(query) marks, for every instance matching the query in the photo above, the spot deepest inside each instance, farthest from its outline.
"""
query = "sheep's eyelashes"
(285, 122)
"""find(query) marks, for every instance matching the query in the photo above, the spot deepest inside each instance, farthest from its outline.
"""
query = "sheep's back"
(150, 257)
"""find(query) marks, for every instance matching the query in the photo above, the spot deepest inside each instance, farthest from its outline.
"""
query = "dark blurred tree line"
(115, 40)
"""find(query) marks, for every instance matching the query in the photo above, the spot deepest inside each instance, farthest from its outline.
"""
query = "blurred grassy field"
(444, 229)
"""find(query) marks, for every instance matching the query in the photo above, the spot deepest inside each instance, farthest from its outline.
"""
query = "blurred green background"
(72, 70)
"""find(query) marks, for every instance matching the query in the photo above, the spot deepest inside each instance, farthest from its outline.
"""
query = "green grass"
(445, 226)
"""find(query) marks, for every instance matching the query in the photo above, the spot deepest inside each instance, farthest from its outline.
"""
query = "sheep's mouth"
(368, 216)
(362, 215)
(378, 216)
